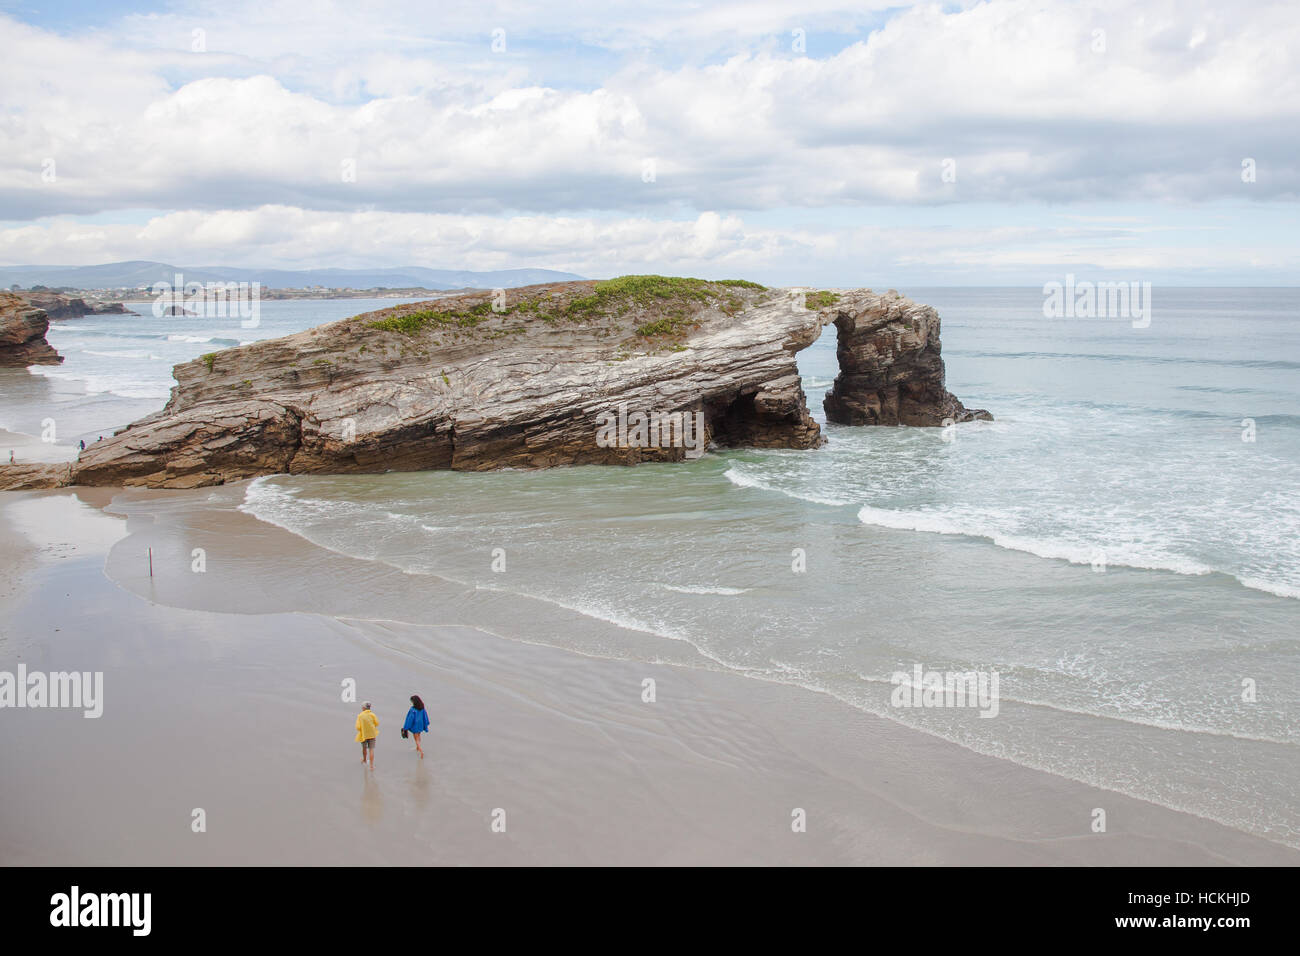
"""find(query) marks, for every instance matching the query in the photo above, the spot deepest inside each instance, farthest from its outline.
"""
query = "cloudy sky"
(811, 142)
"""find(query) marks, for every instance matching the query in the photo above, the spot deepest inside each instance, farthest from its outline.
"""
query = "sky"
(819, 142)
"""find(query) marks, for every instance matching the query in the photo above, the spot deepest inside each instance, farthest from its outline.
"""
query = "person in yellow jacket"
(367, 731)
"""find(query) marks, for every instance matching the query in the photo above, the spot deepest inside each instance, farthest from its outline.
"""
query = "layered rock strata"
(615, 372)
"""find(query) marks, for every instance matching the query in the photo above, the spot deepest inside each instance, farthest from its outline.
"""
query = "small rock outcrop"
(22, 334)
(534, 378)
(891, 372)
(27, 476)
(56, 305)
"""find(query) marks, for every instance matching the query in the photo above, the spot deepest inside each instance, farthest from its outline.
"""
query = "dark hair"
(416, 702)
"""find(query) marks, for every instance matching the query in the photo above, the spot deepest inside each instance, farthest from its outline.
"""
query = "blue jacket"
(417, 721)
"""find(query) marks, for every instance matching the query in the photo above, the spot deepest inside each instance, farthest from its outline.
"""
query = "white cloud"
(1012, 90)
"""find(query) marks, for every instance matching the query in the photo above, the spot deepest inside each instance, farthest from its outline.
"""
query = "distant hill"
(115, 275)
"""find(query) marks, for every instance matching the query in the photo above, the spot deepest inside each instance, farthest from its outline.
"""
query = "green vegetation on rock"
(412, 322)
(666, 298)
(820, 300)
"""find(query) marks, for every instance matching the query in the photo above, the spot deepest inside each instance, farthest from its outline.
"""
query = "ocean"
(1121, 545)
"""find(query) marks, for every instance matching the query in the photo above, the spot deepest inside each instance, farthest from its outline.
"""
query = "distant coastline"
(135, 280)
(340, 293)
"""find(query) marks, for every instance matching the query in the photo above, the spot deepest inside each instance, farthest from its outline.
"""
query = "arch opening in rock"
(889, 367)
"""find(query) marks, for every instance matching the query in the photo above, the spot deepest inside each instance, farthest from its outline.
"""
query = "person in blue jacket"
(417, 722)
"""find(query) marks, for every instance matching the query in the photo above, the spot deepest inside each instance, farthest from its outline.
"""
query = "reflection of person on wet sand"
(372, 801)
(417, 722)
(367, 731)
(419, 793)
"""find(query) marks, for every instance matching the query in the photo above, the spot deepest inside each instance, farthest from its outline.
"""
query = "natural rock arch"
(458, 384)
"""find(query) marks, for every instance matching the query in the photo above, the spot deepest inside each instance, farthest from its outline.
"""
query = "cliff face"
(455, 383)
(22, 334)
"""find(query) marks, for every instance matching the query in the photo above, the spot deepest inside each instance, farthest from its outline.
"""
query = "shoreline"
(236, 706)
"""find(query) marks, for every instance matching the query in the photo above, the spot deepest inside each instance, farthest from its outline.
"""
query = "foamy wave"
(258, 495)
(619, 619)
(1140, 712)
(1271, 587)
(741, 480)
(202, 339)
(1057, 549)
(279, 506)
(687, 589)
(103, 384)
(1054, 548)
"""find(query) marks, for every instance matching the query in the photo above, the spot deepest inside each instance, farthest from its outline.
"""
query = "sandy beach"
(223, 692)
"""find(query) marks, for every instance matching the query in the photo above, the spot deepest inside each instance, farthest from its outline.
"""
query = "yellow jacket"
(367, 725)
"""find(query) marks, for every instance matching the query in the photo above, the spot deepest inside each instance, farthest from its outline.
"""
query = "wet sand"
(223, 692)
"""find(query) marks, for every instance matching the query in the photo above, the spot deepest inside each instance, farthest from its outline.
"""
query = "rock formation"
(891, 372)
(22, 334)
(59, 306)
(25, 476)
(524, 379)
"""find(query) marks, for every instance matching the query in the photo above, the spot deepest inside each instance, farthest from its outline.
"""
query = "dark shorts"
(368, 745)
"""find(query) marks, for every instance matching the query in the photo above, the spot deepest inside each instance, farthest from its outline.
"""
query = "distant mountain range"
(130, 275)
